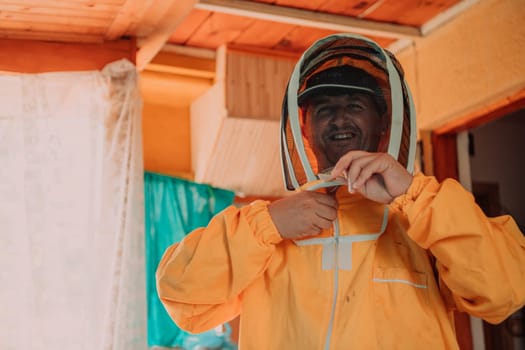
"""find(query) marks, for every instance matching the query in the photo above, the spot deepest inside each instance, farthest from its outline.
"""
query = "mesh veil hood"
(298, 159)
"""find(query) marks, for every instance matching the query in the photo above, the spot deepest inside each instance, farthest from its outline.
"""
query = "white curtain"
(71, 211)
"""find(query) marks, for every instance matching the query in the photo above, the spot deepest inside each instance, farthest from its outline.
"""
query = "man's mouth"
(342, 136)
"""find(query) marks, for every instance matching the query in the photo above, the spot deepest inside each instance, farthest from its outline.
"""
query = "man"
(364, 255)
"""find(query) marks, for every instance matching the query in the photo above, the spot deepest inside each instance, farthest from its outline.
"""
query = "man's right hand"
(303, 214)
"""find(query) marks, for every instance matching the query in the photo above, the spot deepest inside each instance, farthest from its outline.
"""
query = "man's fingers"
(356, 167)
(344, 162)
(377, 166)
(327, 213)
(324, 199)
(322, 223)
(352, 165)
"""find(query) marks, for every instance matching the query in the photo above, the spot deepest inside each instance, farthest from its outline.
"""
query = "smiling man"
(364, 254)
(344, 110)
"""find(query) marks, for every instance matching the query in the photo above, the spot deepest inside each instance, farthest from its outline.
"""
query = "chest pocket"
(396, 275)
(402, 311)
(400, 289)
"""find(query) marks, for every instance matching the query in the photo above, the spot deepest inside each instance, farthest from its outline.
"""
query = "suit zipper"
(336, 285)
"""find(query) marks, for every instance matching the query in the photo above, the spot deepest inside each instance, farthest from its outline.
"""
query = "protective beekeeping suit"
(392, 255)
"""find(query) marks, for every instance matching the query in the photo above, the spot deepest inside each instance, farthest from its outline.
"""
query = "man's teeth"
(342, 136)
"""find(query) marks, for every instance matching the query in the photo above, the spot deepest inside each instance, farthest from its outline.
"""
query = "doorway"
(497, 131)
(497, 165)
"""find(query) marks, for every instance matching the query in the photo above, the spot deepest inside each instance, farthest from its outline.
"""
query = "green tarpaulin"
(173, 208)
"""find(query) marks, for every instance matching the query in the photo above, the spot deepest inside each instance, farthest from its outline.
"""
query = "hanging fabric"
(173, 208)
(71, 215)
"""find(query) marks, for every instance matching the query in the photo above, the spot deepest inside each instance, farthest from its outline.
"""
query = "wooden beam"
(168, 58)
(172, 63)
(187, 72)
(30, 56)
(174, 16)
(446, 16)
(63, 8)
(189, 51)
(307, 18)
(60, 17)
(71, 27)
(51, 36)
(129, 15)
(400, 44)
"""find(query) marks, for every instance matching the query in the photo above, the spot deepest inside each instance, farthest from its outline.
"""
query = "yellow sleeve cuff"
(261, 222)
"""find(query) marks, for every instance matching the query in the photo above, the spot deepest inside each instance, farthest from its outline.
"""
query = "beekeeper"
(364, 254)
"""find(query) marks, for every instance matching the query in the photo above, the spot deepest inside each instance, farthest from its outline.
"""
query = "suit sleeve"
(201, 279)
(481, 260)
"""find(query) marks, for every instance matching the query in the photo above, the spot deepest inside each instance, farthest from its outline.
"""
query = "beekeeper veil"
(345, 62)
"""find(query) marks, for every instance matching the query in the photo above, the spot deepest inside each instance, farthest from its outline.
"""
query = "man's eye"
(325, 112)
(355, 106)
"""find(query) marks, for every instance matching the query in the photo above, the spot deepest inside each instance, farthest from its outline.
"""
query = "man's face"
(335, 125)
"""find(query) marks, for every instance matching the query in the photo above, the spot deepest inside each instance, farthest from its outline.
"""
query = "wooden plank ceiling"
(284, 25)
(292, 25)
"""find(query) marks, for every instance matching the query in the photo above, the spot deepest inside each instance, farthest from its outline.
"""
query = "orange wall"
(166, 120)
(166, 139)
(469, 63)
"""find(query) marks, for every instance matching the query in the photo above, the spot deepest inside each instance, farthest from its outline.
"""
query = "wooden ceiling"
(283, 25)
(292, 25)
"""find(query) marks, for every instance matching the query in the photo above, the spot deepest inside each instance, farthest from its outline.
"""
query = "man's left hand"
(377, 176)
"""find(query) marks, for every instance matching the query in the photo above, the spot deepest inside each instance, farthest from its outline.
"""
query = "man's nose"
(340, 116)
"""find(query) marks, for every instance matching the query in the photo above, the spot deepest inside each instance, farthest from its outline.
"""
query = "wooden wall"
(235, 125)
(471, 62)
(255, 83)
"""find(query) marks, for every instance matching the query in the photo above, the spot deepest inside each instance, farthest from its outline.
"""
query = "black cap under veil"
(343, 79)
